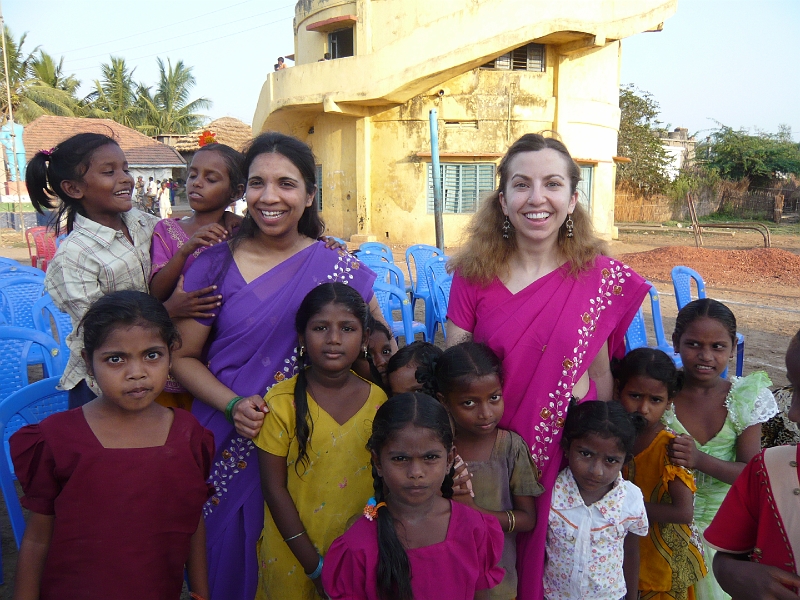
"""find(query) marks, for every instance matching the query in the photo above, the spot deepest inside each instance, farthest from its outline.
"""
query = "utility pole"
(12, 131)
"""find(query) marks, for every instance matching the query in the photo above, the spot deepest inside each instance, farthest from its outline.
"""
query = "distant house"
(680, 148)
(146, 156)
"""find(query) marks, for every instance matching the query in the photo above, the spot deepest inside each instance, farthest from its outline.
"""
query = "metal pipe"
(437, 181)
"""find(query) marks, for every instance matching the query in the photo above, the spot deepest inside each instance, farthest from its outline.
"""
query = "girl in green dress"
(718, 421)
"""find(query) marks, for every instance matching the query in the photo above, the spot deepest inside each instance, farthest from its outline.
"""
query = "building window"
(340, 43)
(318, 195)
(463, 186)
(525, 58)
(585, 187)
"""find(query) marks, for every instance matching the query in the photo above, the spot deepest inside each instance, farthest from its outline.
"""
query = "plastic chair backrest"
(387, 295)
(27, 406)
(389, 273)
(19, 294)
(377, 248)
(16, 346)
(45, 248)
(61, 238)
(48, 319)
(370, 258)
(682, 284)
(436, 270)
(420, 254)
(636, 336)
(16, 270)
(29, 233)
(8, 262)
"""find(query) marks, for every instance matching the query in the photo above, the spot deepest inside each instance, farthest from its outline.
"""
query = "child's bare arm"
(284, 512)
(746, 580)
(685, 453)
(32, 556)
(630, 565)
(196, 565)
(680, 511)
(524, 518)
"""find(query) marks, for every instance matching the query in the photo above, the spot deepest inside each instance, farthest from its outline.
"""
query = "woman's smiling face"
(538, 196)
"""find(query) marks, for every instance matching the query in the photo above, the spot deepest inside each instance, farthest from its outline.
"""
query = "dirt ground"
(761, 286)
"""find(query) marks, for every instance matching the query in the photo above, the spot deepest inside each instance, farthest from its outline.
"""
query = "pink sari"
(546, 336)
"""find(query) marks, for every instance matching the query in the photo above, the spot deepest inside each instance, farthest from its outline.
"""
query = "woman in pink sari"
(533, 283)
(229, 361)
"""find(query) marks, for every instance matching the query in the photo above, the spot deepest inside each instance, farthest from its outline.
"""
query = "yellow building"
(367, 73)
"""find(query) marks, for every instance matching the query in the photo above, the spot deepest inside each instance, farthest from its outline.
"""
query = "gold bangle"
(512, 520)
(294, 537)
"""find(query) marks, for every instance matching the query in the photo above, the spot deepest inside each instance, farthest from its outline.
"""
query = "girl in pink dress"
(116, 487)
(414, 542)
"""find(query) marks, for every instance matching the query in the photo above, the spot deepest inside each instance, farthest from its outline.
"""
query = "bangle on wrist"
(317, 572)
(294, 537)
(512, 520)
(229, 408)
(194, 596)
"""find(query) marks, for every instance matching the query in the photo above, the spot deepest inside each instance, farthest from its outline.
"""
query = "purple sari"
(252, 346)
(546, 336)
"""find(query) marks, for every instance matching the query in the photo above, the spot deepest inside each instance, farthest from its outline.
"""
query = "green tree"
(32, 95)
(169, 109)
(761, 157)
(639, 141)
(115, 95)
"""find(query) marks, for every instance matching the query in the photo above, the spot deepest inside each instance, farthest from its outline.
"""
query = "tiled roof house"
(141, 151)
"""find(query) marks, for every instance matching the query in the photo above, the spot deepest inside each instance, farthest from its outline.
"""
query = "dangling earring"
(570, 226)
(366, 352)
(302, 351)
(506, 228)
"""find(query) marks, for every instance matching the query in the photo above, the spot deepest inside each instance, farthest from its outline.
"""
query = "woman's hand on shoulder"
(248, 415)
(683, 452)
(332, 243)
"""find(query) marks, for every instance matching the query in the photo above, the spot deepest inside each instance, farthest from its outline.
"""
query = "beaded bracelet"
(229, 408)
(317, 572)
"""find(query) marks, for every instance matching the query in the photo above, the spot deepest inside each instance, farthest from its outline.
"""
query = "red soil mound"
(723, 268)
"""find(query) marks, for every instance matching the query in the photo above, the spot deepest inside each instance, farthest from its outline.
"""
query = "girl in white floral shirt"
(594, 513)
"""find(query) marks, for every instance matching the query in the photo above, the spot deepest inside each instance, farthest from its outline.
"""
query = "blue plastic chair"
(439, 281)
(48, 319)
(372, 257)
(636, 336)
(682, 278)
(27, 406)
(387, 295)
(8, 262)
(19, 293)
(419, 254)
(376, 248)
(17, 345)
(16, 270)
(63, 236)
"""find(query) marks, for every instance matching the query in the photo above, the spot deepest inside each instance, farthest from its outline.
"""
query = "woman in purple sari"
(533, 283)
(228, 362)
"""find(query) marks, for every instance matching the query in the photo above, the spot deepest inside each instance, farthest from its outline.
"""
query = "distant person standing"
(139, 190)
(172, 189)
(164, 204)
(150, 195)
(281, 63)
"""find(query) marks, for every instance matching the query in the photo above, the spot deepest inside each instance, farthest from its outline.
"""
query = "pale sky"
(732, 61)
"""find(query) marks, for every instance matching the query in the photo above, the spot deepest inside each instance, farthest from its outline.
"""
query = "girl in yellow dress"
(671, 557)
(315, 468)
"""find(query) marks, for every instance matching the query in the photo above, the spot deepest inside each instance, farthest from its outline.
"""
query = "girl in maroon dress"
(116, 487)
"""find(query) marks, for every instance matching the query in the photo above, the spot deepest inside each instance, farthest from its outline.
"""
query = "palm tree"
(115, 95)
(46, 71)
(169, 109)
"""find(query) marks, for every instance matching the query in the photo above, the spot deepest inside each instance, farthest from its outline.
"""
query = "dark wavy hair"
(68, 161)
(422, 354)
(317, 299)
(704, 307)
(418, 410)
(300, 155)
(126, 308)
(648, 362)
(464, 362)
(233, 163)
(606, 419)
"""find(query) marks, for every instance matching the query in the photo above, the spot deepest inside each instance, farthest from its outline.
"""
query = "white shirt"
(92, 261)
(585, 543)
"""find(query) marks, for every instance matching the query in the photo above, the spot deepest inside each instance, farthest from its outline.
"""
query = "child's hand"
(248, 415)
(753, 581)
(194, 305)
(320, 589)
(683, 452)
(462, 479)
(208, 235)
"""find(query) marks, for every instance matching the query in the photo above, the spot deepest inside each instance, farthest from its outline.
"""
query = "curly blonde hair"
(486, 253)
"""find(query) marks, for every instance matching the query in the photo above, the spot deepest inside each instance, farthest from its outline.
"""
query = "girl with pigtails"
(414, 542)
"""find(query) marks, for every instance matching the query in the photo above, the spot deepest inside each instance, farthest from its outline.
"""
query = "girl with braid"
(414, 542)
(312, 455)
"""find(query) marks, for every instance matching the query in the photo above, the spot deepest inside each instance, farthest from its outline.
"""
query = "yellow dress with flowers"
(671, 556)
(333, 487)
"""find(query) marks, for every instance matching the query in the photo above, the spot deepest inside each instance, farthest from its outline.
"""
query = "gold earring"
(366, 352)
